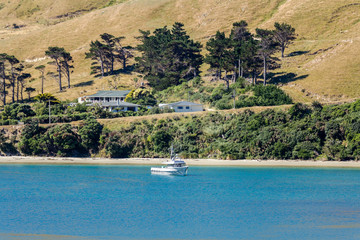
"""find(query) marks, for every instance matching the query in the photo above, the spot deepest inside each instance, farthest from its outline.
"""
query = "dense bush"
(114, 145)
(89, 132)
(16, 111)
(59, 140)
(302, 132)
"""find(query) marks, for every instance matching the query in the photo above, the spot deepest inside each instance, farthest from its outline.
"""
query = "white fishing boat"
(175, 166)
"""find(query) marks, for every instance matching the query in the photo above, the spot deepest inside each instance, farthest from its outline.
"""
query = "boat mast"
(172, 153)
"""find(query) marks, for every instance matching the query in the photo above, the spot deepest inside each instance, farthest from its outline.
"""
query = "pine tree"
(98, 52)
(267, 47)
(66, 65)
(56, 54)
(218, 48)
(109, 41)
(41, 69)
(62, 60)
(3, 59)
(284, 35)
(168, 57)
(13, 61)
(22, 83)
(241, 38)
(29, 90)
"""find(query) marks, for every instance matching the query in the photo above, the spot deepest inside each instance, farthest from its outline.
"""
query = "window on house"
(180, 107)
(187, 107)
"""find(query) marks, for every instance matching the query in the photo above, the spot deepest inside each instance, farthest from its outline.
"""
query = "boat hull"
(181, 171)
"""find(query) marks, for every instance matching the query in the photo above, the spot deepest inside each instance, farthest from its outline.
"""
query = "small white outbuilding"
(183, 106)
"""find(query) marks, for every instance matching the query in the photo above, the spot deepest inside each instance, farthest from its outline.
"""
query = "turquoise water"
(127, 202)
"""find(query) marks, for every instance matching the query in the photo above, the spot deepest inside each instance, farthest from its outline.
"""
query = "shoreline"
(21, 160)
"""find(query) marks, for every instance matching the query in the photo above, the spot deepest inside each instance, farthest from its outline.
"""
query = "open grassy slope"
(324, 63)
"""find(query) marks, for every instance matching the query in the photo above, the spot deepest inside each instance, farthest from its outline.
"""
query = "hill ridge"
(328, 33)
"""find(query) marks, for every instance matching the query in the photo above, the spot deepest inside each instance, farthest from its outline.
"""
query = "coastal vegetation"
(323, 132)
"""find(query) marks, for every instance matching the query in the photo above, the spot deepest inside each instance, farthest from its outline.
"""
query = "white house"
(183, 106)
(113, 101)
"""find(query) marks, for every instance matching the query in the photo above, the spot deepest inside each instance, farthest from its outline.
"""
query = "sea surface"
(127, 202)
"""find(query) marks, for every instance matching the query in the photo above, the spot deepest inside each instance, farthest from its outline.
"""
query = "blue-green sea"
(127, 202)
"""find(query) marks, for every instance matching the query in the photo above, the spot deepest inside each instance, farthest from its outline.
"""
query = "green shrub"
(89, 132)
(305, 150)
(161, 140)
(299, 111)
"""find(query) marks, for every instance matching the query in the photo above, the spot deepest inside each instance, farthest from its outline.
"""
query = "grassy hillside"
(323, 62)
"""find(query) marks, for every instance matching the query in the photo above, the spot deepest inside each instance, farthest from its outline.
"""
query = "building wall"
(115, 109)
(193, 108)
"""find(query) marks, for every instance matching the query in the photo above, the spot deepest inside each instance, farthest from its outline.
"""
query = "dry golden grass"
(328, 31)
(118, 123)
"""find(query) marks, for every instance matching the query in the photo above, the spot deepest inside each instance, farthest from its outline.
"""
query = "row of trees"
(166, 57)
(107, 52)
(63, 63)
(244, 53)
(13, 77)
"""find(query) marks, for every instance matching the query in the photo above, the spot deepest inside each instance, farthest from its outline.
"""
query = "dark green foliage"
(62, 61)
(220, 53)
(267, 47)
(59, 140)
(281, 151)
(161, 140)
(33, 140)
(299, 110)
(284, 35)
(63, 140)
(168, 57)
(106, 52)
(17, 111)
(295, 134)
(89, 132)
(305, 150)
(264, 96)
(114, 145)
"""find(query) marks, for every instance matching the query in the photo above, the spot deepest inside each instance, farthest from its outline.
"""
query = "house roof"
(116, 104)
(110, 94)
(184, 103)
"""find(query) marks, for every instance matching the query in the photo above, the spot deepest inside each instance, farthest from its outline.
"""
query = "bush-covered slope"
(302, 132)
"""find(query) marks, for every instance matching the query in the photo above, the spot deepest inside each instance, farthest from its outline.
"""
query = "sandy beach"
(190, 162)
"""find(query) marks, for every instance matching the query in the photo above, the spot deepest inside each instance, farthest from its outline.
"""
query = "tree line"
(13, 78)
(330, 132)
(166, 57)
(244, 53)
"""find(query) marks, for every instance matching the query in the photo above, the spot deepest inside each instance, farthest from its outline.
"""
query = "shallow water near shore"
(127, 202)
